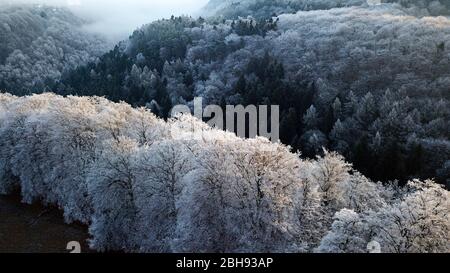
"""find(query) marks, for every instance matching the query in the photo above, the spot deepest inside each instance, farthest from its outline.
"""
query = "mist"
(118, 18)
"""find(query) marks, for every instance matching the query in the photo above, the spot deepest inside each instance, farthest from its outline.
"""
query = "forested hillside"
(364, 95)
(39, 43)
(424, 7)
(263, 9)
(146, 185)
(371, 82)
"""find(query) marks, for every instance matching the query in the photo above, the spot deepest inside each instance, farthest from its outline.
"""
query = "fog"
(118, 18)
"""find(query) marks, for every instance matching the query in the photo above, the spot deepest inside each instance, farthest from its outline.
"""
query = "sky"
(118, 18)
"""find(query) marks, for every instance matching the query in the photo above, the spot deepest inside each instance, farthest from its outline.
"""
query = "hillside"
(39, 43)
(263, 9)
(364, 151)
(370, 82)
(424, 7)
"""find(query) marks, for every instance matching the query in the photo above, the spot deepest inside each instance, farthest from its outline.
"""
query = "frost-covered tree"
(348, 234)
(73, 151)
(113, 185)
(332, 175)
(161, 169)
(418, 223)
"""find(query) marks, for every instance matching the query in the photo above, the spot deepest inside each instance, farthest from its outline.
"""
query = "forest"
(141, 188)
(269, 8)
(368, 82)
(40, 43)
(364, 154)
